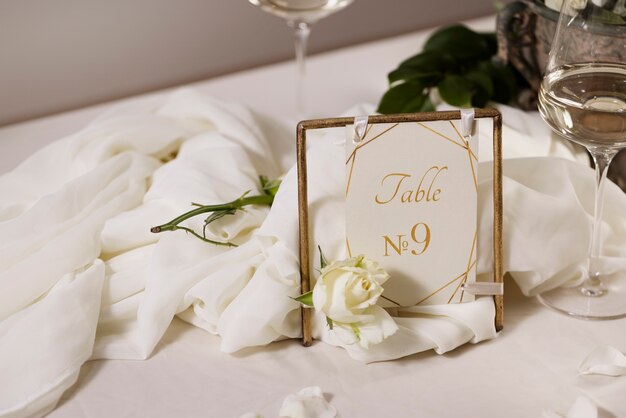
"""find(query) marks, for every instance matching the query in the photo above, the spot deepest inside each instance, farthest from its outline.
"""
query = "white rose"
(379, 326)
(345, 289)
(347, 292)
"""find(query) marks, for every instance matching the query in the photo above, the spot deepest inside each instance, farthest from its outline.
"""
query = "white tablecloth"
(531, 366)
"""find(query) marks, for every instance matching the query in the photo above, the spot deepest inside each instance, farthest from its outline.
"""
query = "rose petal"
(376, 326)
(308, 403)
(605, 360)
(380, 327)
(319, 295)
(345, 333)
(358, 292)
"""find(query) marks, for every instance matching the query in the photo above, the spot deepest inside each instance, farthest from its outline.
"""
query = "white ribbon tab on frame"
(483, 288)
(360, 127)
(467, 122)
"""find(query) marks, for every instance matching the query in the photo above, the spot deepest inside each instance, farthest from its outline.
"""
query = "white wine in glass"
(586, 103)
(583, 97)
(300, 15)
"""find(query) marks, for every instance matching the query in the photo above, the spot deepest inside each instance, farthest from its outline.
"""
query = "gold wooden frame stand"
(303, 207)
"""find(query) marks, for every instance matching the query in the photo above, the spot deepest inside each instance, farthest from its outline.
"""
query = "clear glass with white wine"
(583, 98)
(300, 15)
(586, 103)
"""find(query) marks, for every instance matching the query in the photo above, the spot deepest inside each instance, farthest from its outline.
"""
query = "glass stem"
(593, 286)
(301, 31)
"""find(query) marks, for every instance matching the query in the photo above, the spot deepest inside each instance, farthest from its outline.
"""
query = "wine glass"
(300, 15)
(583, 98)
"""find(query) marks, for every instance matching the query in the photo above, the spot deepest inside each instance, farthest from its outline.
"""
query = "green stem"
(236, 204)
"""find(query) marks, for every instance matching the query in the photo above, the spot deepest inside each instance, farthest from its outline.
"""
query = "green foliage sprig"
(269, 189)
(457, 61)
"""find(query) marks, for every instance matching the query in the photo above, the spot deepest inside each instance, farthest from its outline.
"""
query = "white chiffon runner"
(81, 276)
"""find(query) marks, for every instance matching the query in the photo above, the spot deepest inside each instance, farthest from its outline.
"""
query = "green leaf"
(492, 42)
(429, 60)
(483, 88)
(503, 79)
(426, 68)
(269, 187)
(323, 260)
(264, 180)
(457, 90)
(402, 98)
(460, 42)
(418, 75)
(305, 299)
(330, 323)
(414, 105)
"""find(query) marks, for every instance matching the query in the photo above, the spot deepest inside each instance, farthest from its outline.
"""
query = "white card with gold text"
(411, 204)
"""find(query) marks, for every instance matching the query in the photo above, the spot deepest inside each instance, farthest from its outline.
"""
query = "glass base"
(574, 301)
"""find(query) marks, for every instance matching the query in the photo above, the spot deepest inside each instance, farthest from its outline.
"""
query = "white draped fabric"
(81, 276)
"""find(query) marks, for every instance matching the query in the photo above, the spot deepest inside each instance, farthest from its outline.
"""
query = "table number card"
(411, 204)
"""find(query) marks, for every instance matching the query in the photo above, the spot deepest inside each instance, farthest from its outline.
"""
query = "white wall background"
(57, 55)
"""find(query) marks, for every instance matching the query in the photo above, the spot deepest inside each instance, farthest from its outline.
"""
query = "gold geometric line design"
(463, 139)
(471, 256)
(473, 170)
(447, 284)
(470, 154)
(363, 143)
(353, 154)
(392, 301)
(350, 175)
(456, 289)
(442, 135)
(467, 270)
